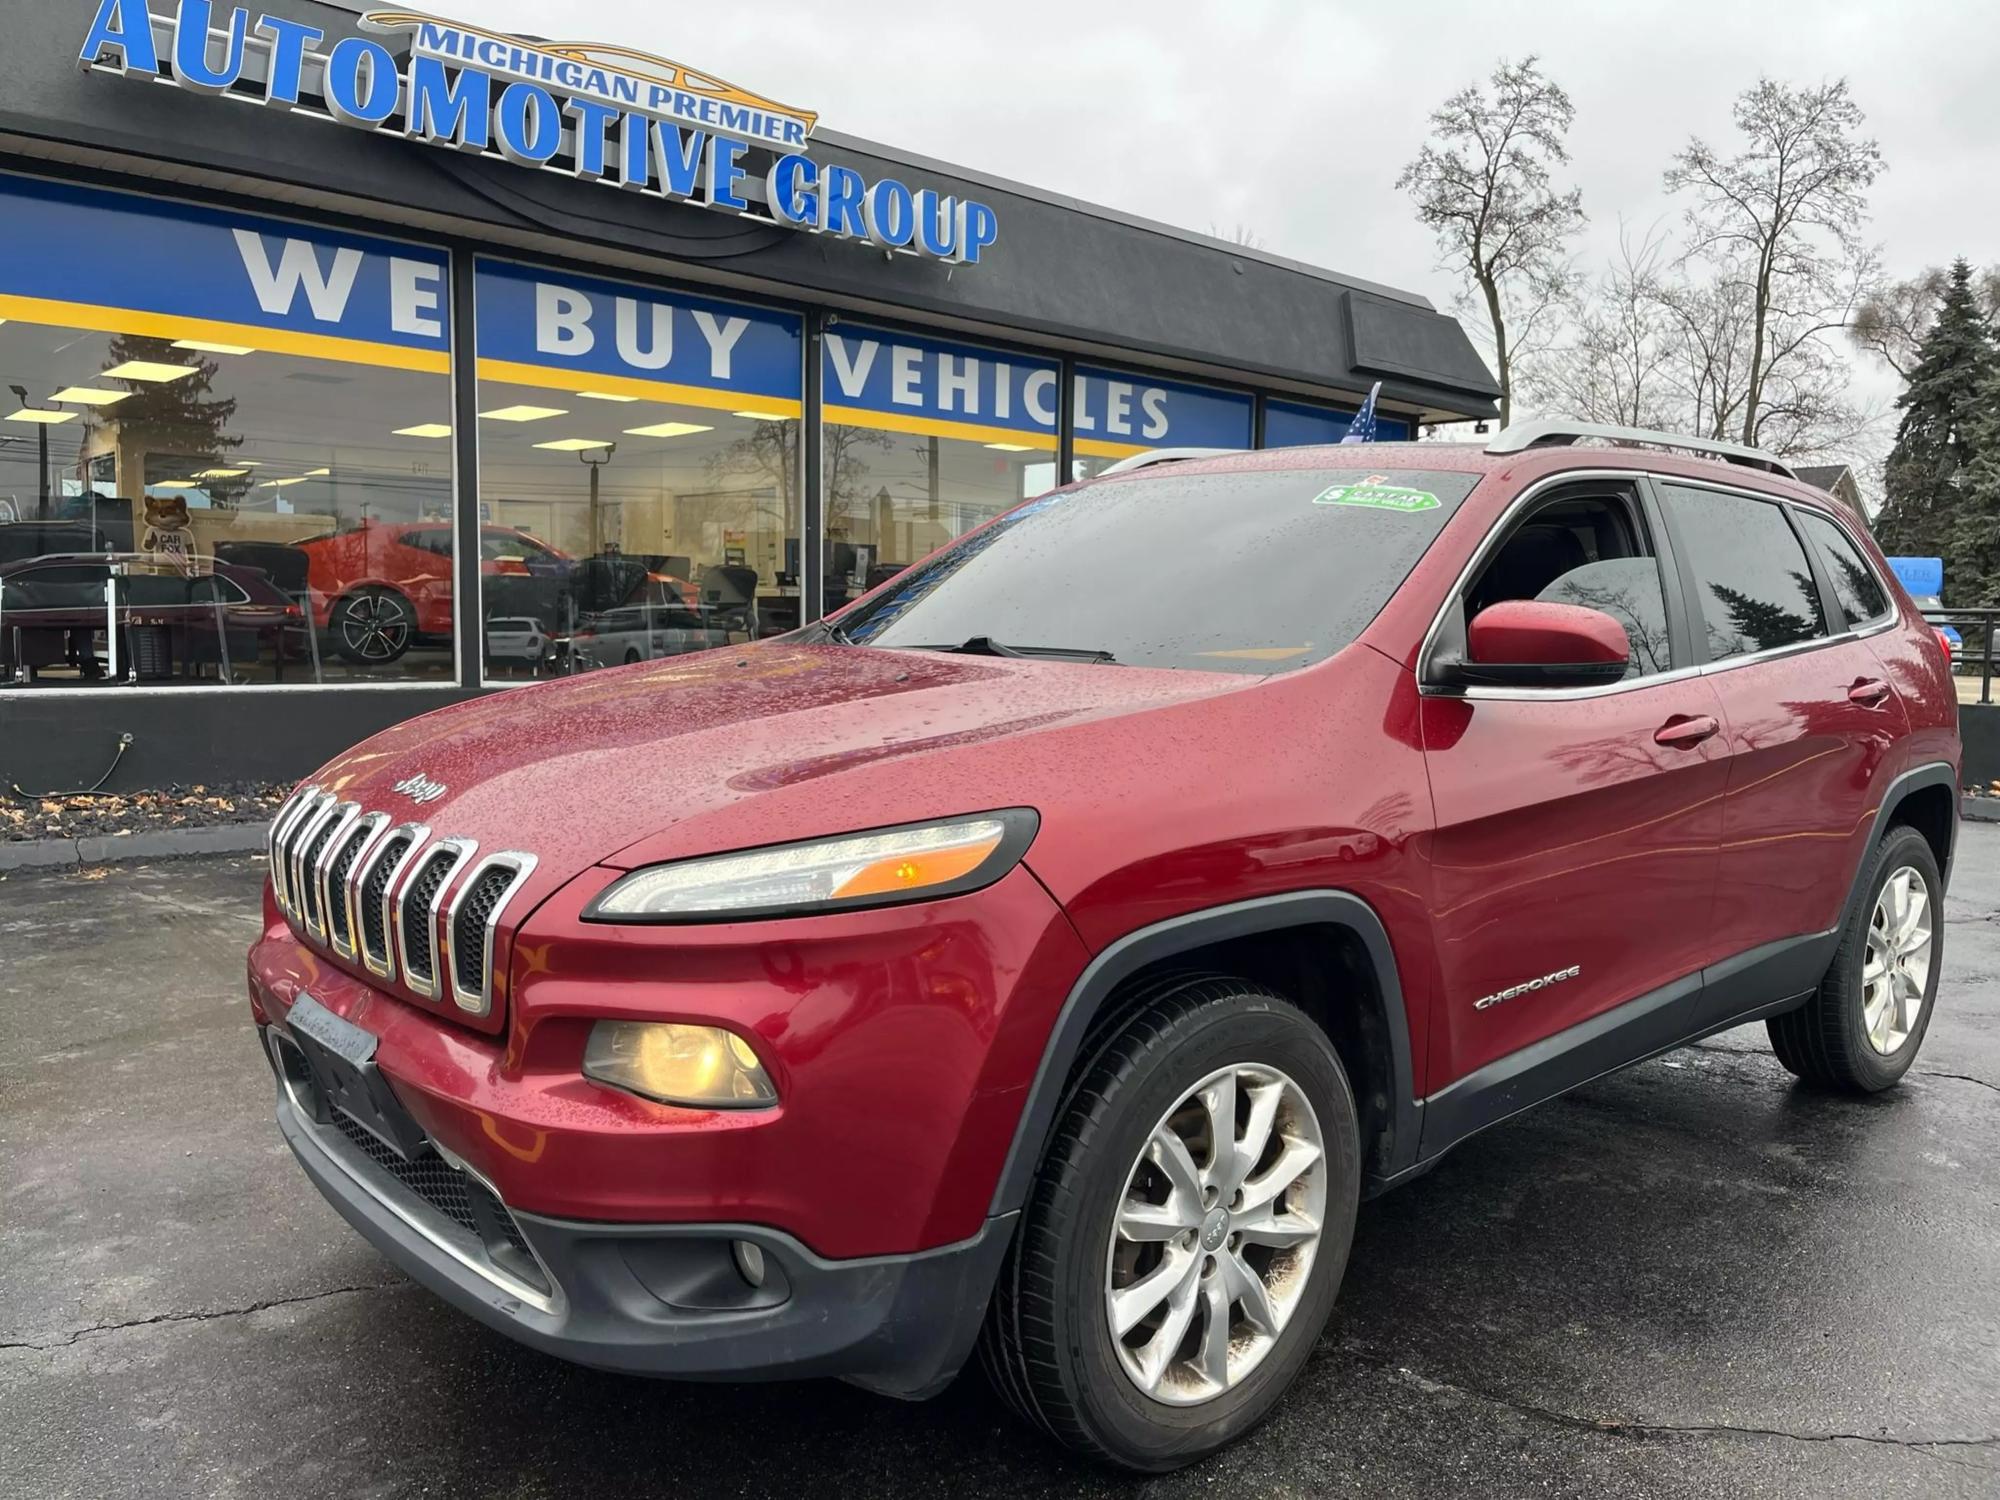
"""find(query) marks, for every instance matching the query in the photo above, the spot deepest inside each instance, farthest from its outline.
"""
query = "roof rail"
(1562, 434)
(1164, 456)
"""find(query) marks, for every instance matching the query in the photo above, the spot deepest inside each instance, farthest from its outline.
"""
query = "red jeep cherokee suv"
(1046, 954)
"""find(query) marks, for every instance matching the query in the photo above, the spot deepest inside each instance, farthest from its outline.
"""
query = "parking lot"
(1692, 1279)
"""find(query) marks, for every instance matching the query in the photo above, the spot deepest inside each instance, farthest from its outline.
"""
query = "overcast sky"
(1292, 117)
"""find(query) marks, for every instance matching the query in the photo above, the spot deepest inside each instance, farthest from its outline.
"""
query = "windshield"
(1237, 572)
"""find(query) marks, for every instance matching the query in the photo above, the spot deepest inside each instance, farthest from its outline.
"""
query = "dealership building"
(353, 363)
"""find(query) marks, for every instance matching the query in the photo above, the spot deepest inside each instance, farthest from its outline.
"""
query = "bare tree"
(1242, 235)
(1892, 321)
(1614, 362)
(1484, 184)
(1778, 225)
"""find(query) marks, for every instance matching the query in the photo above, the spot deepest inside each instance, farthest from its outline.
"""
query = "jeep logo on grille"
(421, 789)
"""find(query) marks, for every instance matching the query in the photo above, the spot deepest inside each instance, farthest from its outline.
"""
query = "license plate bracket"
(341, 1059)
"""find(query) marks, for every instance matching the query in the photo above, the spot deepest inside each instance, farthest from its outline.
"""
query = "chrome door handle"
(1869, 692)
(1686, 733)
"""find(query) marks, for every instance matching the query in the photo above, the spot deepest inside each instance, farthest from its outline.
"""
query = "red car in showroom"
(381, 587)
(1045, 955)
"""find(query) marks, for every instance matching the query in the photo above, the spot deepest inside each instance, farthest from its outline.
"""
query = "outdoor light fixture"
(575, 445)
(150, 372)
(85, 395)
(425, 430)
(667, 430)
(203, 346)
(523, 413)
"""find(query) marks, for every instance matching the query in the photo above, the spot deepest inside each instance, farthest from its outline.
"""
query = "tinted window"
(1855, 585)
(1754, 587)
(1628, 590)
(1246, 572)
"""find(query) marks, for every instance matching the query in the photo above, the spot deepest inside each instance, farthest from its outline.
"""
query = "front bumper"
(667, 1299)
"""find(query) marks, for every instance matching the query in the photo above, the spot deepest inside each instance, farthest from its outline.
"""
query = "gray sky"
(1292, 117)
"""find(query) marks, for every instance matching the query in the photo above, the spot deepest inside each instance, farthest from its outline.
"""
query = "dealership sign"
(605, 114)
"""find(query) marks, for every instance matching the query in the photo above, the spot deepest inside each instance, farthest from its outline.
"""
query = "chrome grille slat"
(318, 851)
(469, 930)
(375, 888)
(303, 833)
(280, 844)
(348, 855)
(417, 907)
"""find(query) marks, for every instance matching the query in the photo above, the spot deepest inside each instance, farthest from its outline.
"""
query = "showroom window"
(217, 434)
(924, 440)
(1119, 415)
(1293, 424)
(639, 472)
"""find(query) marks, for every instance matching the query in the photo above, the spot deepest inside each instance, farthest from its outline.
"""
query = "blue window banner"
(901, 382)
(552, 329)
(1293, 424)
(1118, 415)
(76, 257)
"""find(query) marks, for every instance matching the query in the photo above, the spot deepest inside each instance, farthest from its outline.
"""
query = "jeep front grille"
(392, 899)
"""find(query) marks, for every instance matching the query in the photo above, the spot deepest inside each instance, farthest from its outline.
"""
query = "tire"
(372, 627)
(1829, 1042)
(1048, 1345)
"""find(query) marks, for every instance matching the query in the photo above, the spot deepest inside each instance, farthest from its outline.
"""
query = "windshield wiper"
(985, 645)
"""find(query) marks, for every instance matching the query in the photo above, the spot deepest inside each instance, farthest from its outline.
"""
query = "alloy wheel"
(375, 627)
(1896, 970)
(1217, 1229)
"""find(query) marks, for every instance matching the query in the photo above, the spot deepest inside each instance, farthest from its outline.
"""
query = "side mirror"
(1530, 643)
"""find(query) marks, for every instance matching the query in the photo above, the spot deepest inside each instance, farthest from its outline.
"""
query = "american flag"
(1362, 428)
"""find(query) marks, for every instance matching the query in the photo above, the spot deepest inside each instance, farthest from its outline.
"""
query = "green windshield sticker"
(1377, 495)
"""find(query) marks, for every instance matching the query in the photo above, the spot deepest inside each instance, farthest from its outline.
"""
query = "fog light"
(676, 1064)
(749, 1261)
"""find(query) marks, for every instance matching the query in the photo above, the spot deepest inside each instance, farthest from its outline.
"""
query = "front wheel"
(373, 627)
(1183, 1243)
(1861, 1029)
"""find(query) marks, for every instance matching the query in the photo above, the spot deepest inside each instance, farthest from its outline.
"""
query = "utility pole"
(42, 437)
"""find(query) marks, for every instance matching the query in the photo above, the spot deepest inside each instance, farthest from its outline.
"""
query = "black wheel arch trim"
(1122, 959)
(1933, 773)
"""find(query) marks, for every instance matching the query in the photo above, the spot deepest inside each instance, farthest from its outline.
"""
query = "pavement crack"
(63, 1341)
(1961, 1077)
(1617, 1426)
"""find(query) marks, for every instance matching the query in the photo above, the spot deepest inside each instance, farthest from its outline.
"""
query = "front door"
(1577, 829)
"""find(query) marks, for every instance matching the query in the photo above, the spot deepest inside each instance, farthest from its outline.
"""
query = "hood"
(739, 747)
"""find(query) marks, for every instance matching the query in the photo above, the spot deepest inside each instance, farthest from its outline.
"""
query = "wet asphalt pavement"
(1692, 1279)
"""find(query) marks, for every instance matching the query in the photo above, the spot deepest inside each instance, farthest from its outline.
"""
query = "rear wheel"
(1182, 1246)
(373, 627)
(1861, 1030)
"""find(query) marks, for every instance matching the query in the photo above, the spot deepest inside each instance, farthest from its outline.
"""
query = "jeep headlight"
(916, 862)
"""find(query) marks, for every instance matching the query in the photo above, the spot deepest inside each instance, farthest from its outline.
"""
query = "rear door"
(1809, 721)
(1577, 828)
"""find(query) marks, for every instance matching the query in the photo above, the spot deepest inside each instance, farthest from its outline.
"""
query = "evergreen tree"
(178, 423)
(1972, 542)
(1925, 474)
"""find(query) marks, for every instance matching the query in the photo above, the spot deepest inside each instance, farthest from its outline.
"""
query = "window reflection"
(1754, 584)
(248, 511)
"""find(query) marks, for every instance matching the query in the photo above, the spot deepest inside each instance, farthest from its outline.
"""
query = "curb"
(166, 843)
(1980, 809)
